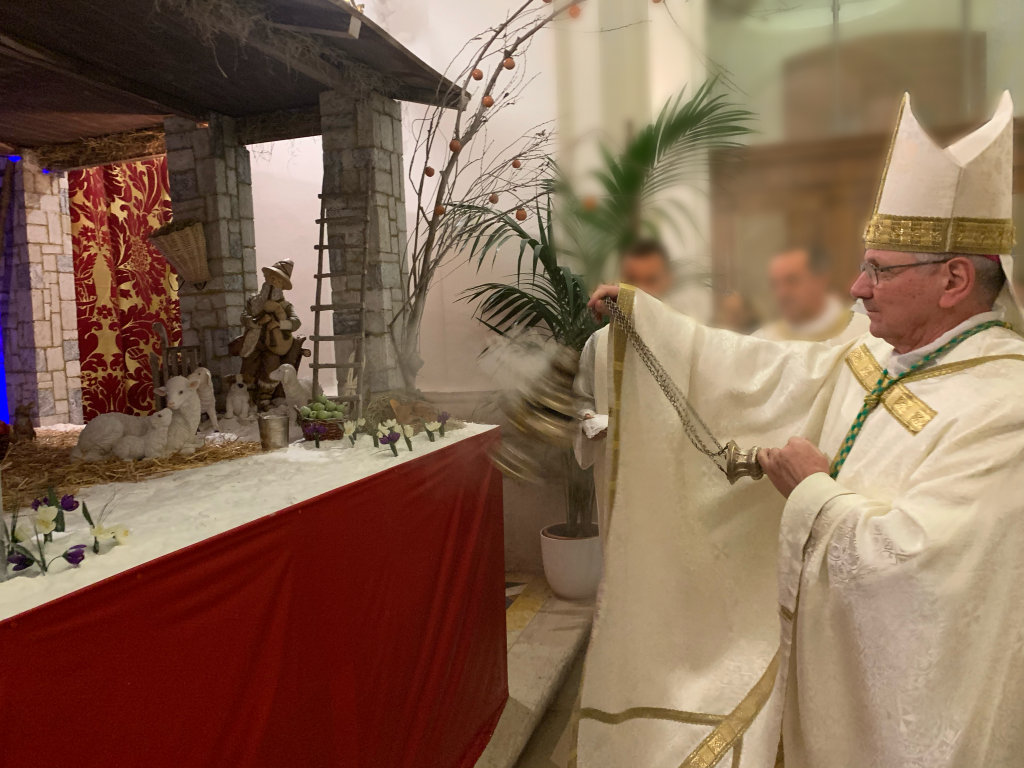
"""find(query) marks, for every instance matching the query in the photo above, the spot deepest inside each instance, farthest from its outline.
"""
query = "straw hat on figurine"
(282, 271)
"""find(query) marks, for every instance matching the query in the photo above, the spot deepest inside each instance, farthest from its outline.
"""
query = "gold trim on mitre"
(937, 235)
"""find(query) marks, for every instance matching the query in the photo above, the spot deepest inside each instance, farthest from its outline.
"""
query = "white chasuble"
(902, 580)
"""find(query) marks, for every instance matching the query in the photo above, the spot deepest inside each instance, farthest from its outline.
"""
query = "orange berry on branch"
(574, 11)
(439, 211)
(517, 163)
(589, 203)
(428, 171)
(488, 101)
(493, 198)
(478, 74)
(521, 214)
(455, 145)
(509, 63)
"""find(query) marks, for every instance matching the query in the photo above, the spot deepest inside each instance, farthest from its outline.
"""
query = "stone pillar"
(211, 182)
(37, 299)
(365, 184)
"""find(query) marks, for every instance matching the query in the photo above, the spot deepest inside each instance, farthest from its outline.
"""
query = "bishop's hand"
(597, 298)
(790, 465)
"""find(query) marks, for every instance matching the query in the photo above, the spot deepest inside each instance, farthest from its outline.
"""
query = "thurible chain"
(687, 414)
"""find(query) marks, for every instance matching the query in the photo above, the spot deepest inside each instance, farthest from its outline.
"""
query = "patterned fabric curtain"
(122, 283)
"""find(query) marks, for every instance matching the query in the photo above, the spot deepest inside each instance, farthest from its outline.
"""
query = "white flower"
(121, 533)
(380, 434)
(408, 430)
(391, 424)
(45, 519)
(350, 428)
(433, 426)
(101, 532)
(24, 531)
(361, 422)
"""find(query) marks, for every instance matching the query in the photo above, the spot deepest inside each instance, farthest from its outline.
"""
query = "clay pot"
(521, 214)
(572, 567)
(439, 211)
(428, 171)
(455, 145)
(509, 63)
(478, 73)
(488, 102)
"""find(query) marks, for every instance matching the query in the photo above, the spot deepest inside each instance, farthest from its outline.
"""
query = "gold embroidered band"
(904, 405)
(728, 733)
(619, 344)
(650, 713)
(987, 237)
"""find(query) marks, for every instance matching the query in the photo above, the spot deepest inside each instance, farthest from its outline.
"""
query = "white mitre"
(953, 200)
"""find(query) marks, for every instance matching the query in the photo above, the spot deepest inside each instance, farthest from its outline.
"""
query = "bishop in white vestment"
(872, 614)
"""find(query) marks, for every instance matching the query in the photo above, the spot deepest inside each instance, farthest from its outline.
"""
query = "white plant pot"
(572, 566)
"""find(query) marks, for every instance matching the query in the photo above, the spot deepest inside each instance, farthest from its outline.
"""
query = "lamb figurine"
(97, 441)
(297, 392)
(207, 400)
(183, 399)
(237, 403)
(152, 444)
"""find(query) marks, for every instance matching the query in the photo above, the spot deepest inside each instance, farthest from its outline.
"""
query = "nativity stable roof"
(73, 69)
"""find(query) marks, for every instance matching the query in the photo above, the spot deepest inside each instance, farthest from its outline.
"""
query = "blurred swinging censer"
(545, 410)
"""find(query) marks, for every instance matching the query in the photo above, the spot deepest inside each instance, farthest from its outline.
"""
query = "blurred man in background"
(734, 312)
(645, 265)
(810, 310)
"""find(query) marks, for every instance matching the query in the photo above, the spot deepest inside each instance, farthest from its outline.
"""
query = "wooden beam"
(102, 150)
(306, 63)
(278, 126)
(325, 24)
(102, 80)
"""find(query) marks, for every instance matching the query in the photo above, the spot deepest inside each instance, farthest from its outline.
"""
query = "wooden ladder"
(350, 310)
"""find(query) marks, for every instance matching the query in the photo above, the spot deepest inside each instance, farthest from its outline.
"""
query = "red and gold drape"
(122, 283)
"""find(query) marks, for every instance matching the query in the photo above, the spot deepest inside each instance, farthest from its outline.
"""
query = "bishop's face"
(901, 300)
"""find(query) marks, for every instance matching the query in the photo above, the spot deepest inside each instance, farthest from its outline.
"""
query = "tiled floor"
(550, 744)
(545, 636)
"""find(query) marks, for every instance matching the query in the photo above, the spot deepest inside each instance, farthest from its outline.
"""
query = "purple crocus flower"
(68, 503)
(444, 416)
(37, 503)
(19, 561)
(75, 554)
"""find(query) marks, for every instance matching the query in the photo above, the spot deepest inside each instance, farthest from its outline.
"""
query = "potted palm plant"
(547, 296)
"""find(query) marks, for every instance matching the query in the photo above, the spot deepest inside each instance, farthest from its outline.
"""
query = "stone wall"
(37, 299)
(365, 184)
(210, 181)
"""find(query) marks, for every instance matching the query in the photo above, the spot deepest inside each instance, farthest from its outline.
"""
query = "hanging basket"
(183, 244)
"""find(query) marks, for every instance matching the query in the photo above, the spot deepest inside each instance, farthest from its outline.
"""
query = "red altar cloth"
(364, 628)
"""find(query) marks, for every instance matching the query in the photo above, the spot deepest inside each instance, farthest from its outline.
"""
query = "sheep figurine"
(238, 402)
(97, 441)
(152, 444)
(297, 392)
(207, 400)
(23, 429)
(183, 398)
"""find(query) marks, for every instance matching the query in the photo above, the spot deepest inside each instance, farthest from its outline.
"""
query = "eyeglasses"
(873, 270)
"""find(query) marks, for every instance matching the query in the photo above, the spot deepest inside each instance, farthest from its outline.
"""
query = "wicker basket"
(335, 428)
(183, 244)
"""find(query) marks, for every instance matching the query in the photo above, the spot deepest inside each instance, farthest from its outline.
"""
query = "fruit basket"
(327, 413)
